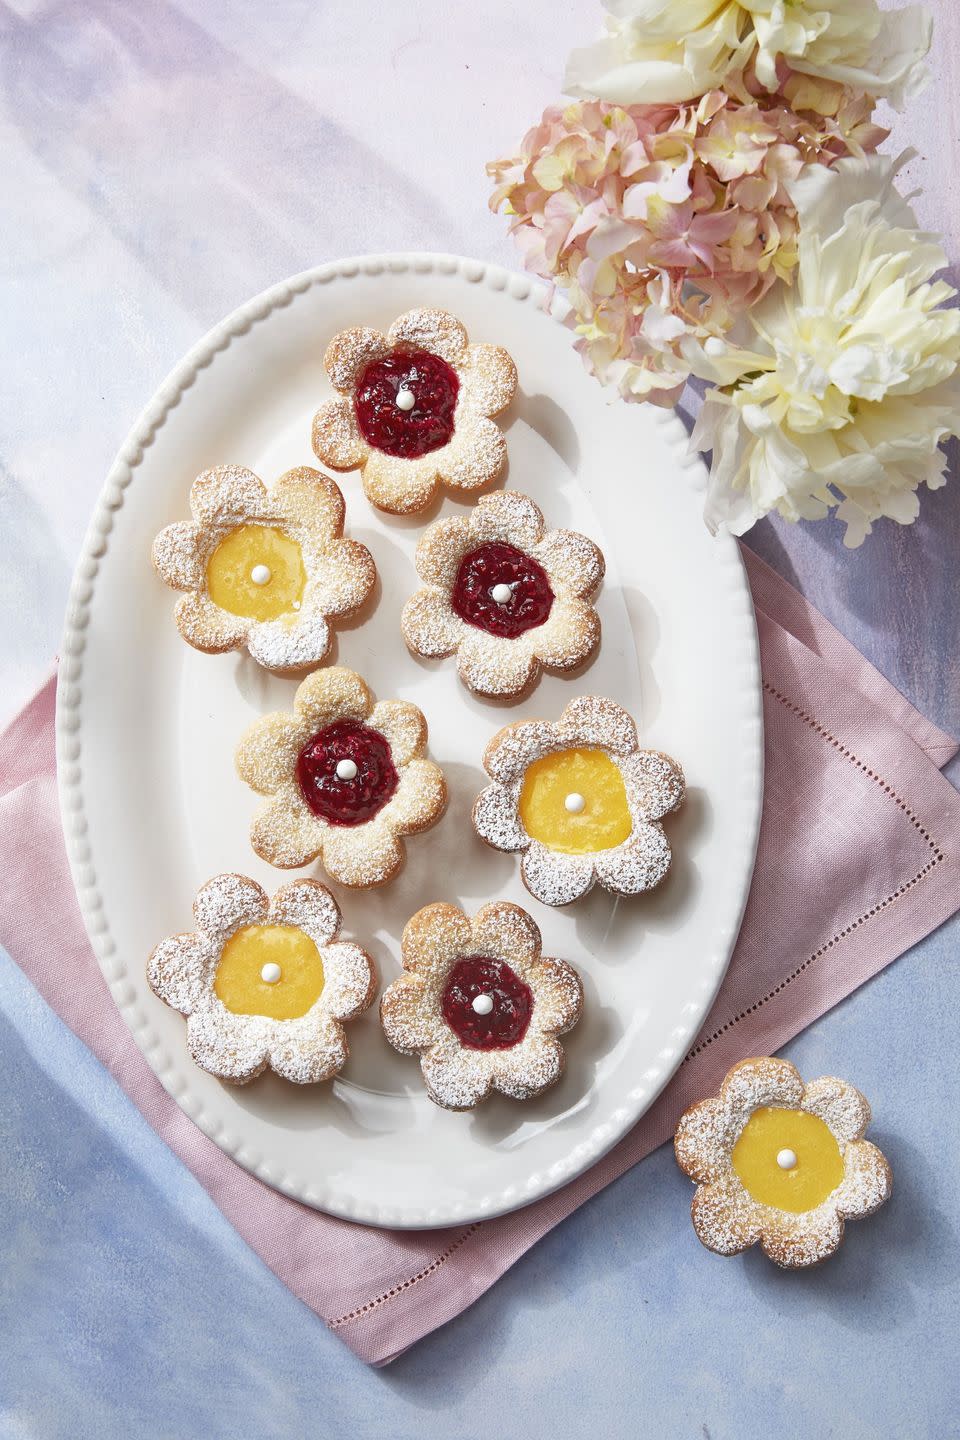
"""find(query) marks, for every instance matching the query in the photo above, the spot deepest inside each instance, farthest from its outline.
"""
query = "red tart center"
(486, 1004)
(501, 590)
(405, 403)
(346, 773)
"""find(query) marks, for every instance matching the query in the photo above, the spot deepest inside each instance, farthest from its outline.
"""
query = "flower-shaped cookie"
(780, 1162)
(414, 409)
(507, 595)
(265, 569)
(264, 983)
(480, 1005)
(581, 800)
(347, 778)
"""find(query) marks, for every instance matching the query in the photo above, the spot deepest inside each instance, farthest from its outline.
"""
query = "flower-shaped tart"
(414, 409)
(264, 983)
(780, 1162)
(581, 800)
(264, 569)
(347, 778)
(480, 1005)
(507, 595)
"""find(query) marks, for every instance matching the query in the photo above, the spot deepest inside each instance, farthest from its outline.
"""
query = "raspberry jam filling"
(367, 777)
(405, 403)
(480, 590)
(504, 1005)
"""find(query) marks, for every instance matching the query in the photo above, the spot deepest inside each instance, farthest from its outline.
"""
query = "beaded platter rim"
(584, 1150)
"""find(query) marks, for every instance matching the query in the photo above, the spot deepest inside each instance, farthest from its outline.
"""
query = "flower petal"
(493, 665)
(559, 992)
(310, 907)
(803, 1240)
(456, 1078)
(433, 938)
(333, 693)
(441, 549)
(496, 820)
(569, 635)
(515, 747)
(285, 832)
(232, 1047)
(638, 865)
(490, 376)
(227, 903)
(403, 727)
(418, 801)
(507, 515)
(176, 557)
(554, 878)
(592, 720)
(180, 970)
(475, 457)
(350, 352)
(286, 649)
(529, 1068)
(725, 1218)
(308, 1050)
(350, 981)
(760, 1081)
(507, 932)
(208, 628)
(342, 577)
(655, 784)
(362, 856)
(574, 564)
(867, 1180)
(398, 486)
(429, 626)
(228, 495)
(337, 441)
(267, 753)
(704, 1138)
(308, 497)
(839, 1106)
(407, 1016)
(435, 330)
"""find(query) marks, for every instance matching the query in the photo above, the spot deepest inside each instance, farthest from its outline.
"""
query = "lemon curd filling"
(788, 1159)
(272, 970)
(575, 801)
(257, 572)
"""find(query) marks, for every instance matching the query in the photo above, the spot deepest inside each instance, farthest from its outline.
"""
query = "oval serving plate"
(147, 729)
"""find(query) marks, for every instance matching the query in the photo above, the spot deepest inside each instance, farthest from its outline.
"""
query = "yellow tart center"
(272, 970)
(576, 802)
(788, 1159)
(257, 572)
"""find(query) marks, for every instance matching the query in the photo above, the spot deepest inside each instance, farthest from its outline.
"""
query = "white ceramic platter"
(147, 728)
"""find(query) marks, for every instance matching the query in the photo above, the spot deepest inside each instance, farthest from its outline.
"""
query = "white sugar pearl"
(346, 769)
(261, 575)
(574, 802)
(501, 593)
(787, 1159)
(270, 973)
(483, 1004)
(406, 399)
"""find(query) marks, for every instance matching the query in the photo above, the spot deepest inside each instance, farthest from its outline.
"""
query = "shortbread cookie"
(780, 1163)
(504, 594)
(413, 409)
(264, 569)
(480, 1005)
(581, 801)
(264, 984)
(347, 779)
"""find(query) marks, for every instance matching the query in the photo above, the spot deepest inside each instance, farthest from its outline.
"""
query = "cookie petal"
(267, 753)
(569, 635)
(310, 907)
(362, 856)
(305, 496)
(726, 1220)
(575, 565)
(308, 1050)
(515, 747)
(705, 1136)
(441, 549)
(655, 784)
(496, 821)
(334, 693)
(350, 352)
(804, 1239)
(435, 330)
(429, 626)
(639, 864)
(419, 799)
(475, 457)
(284, 648)
(232, 1047)
(180, 970)
(350, 980)
(227, 903)
(554, 878)
(401, 487)
(504, 930)
(529, 1068)
(433, 938)
(491, 665)
(403, 727)
(491, 377)
(208, 628)
(228, 495)
(285, 832)
(593, 720)
(456, 1078)
(839, 1106)
(337, 441)
(507, 516)
(343, 576)
(559, 992)
(759, 1081)
(176, 557)
(407, 1017)
(867, 1180)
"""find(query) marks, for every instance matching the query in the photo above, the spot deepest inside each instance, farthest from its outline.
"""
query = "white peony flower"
(846, 382)
(675, 50)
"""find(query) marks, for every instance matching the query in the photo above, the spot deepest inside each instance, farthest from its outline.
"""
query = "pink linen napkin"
(859, 858)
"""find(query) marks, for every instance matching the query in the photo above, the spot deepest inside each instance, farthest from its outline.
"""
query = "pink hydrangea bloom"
(663, 221)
